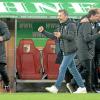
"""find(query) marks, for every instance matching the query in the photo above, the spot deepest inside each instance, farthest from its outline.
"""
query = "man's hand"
(41, 29)
(57, 34)
(1, 38)
(99, 32)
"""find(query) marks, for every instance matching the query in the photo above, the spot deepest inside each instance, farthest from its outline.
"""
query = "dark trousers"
(68, 76)
(4, 74)
(88, 73)
(97, 66)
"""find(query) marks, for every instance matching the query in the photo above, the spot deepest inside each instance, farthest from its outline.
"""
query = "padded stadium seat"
(28, 60)
(49, 58)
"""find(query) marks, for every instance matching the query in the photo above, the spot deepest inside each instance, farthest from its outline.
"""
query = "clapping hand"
(57, 34)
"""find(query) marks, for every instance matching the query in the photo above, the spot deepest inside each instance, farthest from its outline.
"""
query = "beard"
(61, 21)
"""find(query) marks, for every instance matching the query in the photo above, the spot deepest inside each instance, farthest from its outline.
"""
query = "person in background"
(87, 35)
(4, 36)
(97, 54)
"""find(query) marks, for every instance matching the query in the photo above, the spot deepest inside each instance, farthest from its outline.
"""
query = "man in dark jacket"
(65, 35)
(97, 55)
(4, 36)
(85, 54)
(86, 45)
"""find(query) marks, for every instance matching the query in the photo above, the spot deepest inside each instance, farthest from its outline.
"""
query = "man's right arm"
(47, 34)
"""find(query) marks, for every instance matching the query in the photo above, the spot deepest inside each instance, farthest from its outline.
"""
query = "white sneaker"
(81, 90)
(52, 89)
(69, 87)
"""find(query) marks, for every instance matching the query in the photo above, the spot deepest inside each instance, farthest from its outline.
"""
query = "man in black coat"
(86, 45)
(4, 36)
(97, 55)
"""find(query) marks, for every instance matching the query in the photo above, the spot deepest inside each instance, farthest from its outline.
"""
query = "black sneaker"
(70, 87)
(6, 88)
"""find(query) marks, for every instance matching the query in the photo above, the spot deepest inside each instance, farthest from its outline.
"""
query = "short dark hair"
(64, 11)
(92, 12)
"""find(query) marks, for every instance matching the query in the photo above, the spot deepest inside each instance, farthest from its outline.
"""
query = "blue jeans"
(68, 63)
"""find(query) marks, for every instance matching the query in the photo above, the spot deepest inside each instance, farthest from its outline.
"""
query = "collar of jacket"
(66, 22)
